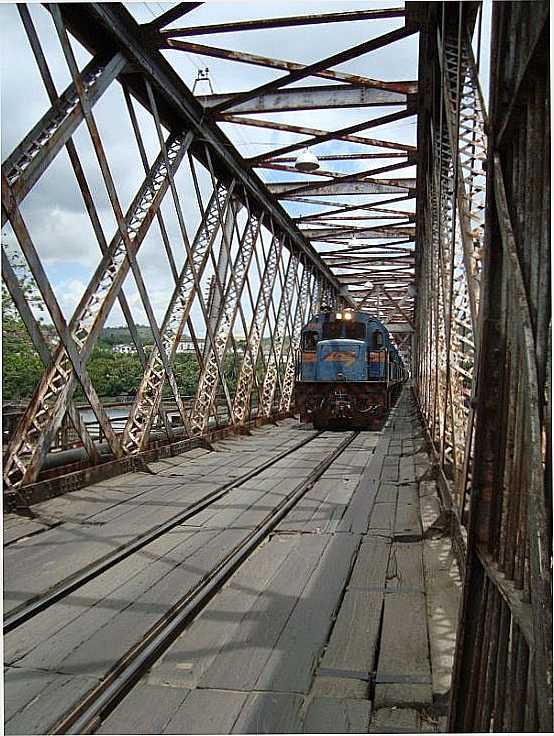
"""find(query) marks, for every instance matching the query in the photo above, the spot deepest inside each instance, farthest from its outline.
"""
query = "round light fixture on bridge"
(306, 161)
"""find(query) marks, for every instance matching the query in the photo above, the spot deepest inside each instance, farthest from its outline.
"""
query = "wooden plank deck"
(343, 621)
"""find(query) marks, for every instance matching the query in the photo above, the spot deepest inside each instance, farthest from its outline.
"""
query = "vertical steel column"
(302, 311)
(219, 279)
(223, 327)
(149, 394)
(270, 381)
(245, 382)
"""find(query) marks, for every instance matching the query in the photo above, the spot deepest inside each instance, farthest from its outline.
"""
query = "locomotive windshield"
(344, 328)
(354, 330)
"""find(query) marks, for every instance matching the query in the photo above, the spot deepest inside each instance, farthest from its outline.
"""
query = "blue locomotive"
(348, 372)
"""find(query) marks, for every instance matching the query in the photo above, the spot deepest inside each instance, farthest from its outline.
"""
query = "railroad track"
(22, 614)
(86, 715)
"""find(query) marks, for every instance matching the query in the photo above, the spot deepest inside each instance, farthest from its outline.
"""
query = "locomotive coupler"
(341, 406)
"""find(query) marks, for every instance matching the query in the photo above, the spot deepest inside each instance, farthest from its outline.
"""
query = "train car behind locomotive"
(348, 372)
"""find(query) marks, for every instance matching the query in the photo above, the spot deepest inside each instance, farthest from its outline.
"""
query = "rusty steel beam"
(208, 380)
(41, 346)
(149, 394)
(303, 311)
(275, 358)
(388, 246)
(172, 14)
(75, 365)
(328, 62)
(343, 221)
(373, 232)
(323, 189)
(26, 164)
(260, 316)
(343, 157)
(84, 188)
(309, 98)
(316, 133)
(363, 175)
(287, 22)
(114, 199)
(342, 208)
(325, 173)
(49, 402)
(376, 122)
(266, 61)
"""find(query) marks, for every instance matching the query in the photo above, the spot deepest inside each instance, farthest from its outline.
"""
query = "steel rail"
(87, 714)
(23, 614)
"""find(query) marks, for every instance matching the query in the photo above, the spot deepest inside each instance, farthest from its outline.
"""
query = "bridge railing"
(483, 355)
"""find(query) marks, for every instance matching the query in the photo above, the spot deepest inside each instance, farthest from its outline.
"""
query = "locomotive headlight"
(347, 315)
(338, 315)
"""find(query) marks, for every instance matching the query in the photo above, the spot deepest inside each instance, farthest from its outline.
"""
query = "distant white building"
(187, 346)
(124, 348)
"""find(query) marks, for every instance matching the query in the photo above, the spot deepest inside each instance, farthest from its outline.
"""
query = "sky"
(54, 211)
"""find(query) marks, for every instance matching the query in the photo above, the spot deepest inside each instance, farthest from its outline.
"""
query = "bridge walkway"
(342, 620)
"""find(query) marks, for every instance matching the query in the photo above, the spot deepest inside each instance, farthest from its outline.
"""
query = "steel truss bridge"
(447, 239)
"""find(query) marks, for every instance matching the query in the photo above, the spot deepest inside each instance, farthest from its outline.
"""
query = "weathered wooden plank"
(330, 715)
(370, 568)
(404, 720)
(403, 672)
(270, 713)
(239, 664)
(405, 569)
(146, 709)
(353, 642)
(43, 710)
(429, 504)
(443, 587)
(206, 711)
(297, 650)
(136, 605)
(390, 472)
(408, 523)
(406, 472)
(387, 493)
(326, 686)
(356, 517)
(402, 694)
(198, 646)
(382, 518)
(19, 528)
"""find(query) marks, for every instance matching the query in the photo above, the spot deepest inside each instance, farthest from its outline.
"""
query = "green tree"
(21, 365)
(185, 368)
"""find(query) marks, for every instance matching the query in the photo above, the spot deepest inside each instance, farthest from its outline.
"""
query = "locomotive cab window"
(309, 341)
(377, 339)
